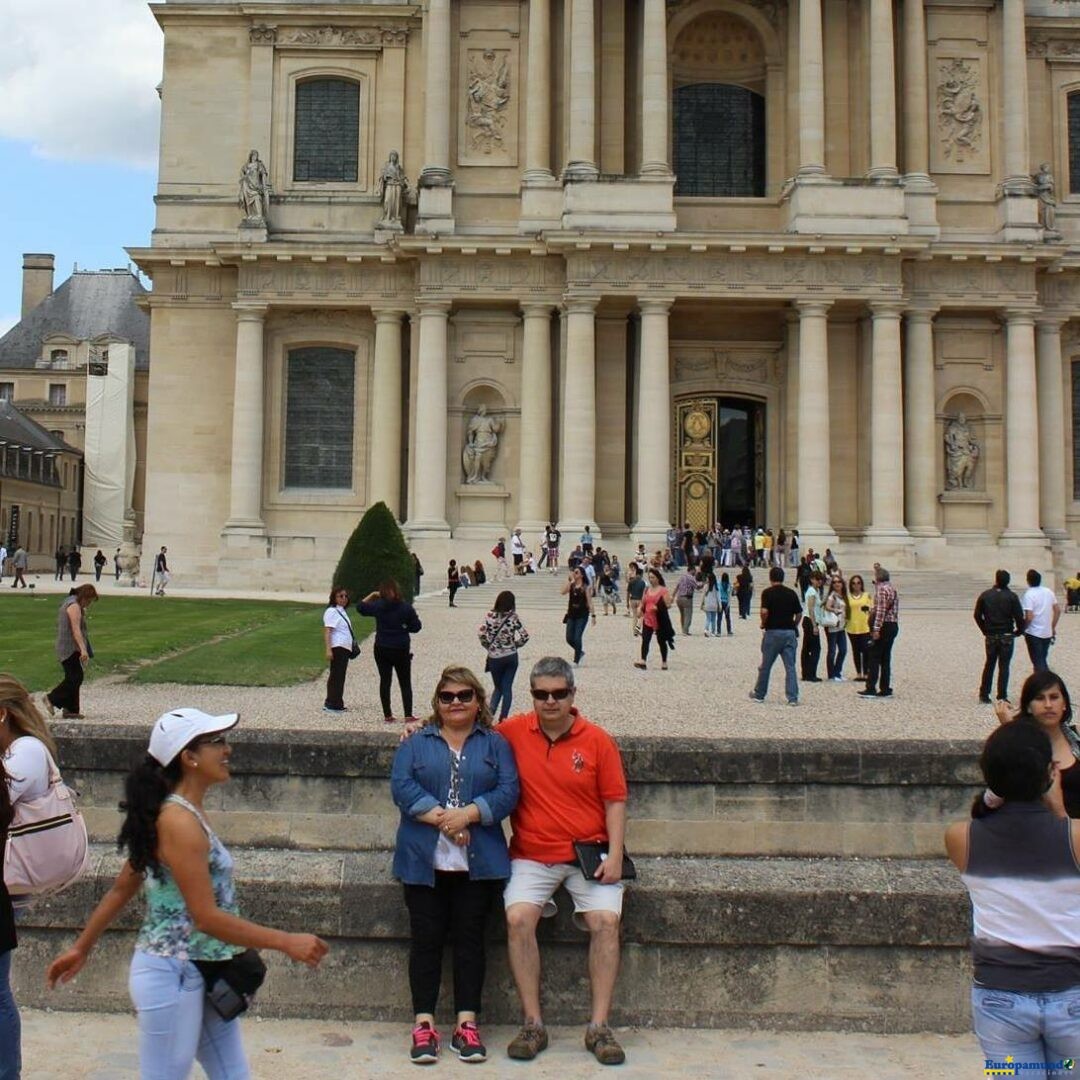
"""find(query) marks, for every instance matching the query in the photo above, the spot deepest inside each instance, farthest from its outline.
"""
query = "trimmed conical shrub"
(375, 552)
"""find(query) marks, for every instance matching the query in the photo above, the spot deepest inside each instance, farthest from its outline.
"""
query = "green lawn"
(224, 642)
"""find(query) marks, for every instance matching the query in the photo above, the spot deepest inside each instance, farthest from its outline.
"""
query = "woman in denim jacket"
(453, 781)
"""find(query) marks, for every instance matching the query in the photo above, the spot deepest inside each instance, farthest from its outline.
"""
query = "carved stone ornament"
(962, 454)
(344, 36)
(488, 95)
(253, 194)
(769, 8)
(1044, 188)
(959, 111)
(263, 34)
(481, 446)
(723, 365)
(1042, 44)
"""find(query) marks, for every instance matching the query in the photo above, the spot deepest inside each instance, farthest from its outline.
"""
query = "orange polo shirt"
(564, 785)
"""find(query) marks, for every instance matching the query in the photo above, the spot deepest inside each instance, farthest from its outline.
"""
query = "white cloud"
(77, 79)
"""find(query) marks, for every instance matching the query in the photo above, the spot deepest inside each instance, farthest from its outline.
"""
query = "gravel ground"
(936, 664)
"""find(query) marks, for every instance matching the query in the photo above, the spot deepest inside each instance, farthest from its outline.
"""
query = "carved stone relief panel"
(488, 113)
(717, 365)
(332, 281)
(341, 37)
(959, 118)
(972, 284)
(769, 8)
(540, 277)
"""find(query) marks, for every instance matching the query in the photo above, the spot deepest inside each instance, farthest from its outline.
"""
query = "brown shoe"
(600, 1042)
(528, 1042)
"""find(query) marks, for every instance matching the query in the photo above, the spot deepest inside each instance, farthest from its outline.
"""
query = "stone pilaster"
(654, 425)
(814, 451)
(1052, 503)
(384, 483)
(435, 210)
(429, 458)
(582, 112)
(1021, 432)
(538, 98)
(654, 90)
(1014, 98)
(577, 436)
(811, 90)
(920, 430)
(245, 490)
(534, 485)
(882, 91)
(886, 430)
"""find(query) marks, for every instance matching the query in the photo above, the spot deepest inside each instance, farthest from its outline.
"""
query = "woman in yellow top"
(858, 624)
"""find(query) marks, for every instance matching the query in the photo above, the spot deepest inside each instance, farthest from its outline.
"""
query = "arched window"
(326, 145)
(719, 140)
(58, 356)
(319, 418)
(1074, 142)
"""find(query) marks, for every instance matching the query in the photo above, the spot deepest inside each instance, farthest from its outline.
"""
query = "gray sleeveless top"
(65, 639)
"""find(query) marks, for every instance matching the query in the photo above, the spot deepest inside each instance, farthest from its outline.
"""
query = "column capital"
(1020, 316)
(811, 308)
(886, 310)
(924, 313)
(581, 305)
(532, 309)
(654, 305)
(1050, 322)
(388, 314)
(251, 312)
(433, 307)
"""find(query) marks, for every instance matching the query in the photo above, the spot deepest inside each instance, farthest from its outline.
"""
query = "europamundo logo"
(1011, 1067)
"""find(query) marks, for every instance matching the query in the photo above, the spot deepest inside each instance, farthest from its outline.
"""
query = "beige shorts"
(536, 882)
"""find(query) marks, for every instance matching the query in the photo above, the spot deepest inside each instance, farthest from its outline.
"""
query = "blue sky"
(78, 135)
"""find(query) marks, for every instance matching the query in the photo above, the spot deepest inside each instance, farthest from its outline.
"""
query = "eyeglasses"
(448, 697)
(214, 740)
(553, 695)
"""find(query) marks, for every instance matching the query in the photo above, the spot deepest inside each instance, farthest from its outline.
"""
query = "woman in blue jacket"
(454, 781)
(395, 619)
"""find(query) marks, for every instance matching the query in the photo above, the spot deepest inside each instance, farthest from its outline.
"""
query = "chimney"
(37, 280)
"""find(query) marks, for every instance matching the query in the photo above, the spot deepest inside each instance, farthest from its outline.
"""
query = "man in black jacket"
(1000, 617)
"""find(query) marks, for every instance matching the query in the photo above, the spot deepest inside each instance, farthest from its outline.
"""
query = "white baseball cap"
(176, 729)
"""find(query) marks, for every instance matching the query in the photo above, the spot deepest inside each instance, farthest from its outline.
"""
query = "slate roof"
(16, 427)
(89, 304)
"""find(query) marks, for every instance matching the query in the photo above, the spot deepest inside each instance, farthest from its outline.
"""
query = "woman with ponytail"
(192, 927)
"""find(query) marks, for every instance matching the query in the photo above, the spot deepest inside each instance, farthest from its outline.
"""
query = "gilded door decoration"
(695, 454)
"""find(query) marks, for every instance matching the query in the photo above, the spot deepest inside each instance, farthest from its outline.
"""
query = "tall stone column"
(538, 99)
(811, 90)
(1021, 431)
(654, 90)
(791, 421)
(886, 429)
(385, 443)
(814, 451)
(1015, 99)
(916, 104)
(1051, 428)
(534, 486)
(429, 472)
(654, 425)
(920, 429)
(582, 162)
(436, 171)
(245, 491)
(882, 91)
(577, 476)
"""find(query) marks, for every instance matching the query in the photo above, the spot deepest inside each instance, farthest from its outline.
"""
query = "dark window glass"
(319, 418)
(1074, 143)
(327, 135)
(1076, 427)
(719, 140)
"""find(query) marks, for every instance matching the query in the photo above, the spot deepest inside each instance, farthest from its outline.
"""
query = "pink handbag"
(47, 847)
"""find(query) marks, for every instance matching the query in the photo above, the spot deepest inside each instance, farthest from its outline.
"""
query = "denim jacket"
(420, 781)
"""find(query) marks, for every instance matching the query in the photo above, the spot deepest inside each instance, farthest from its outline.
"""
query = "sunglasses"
(214, 740)
(551, 695)
(448, 697)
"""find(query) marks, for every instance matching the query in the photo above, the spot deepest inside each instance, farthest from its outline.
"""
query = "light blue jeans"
(778, 643)
(10, 1029)
(1040, 1029)
(177, 1027)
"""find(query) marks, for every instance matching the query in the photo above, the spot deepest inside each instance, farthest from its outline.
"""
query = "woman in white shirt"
(25, 745)
(339, 640)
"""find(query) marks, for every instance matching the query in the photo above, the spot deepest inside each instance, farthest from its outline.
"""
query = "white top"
(517, 545)
(1040, 601)
(448, 855)
(27, 766)
(340, 628)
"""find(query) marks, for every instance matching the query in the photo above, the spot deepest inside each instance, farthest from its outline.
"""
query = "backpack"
(47, 846)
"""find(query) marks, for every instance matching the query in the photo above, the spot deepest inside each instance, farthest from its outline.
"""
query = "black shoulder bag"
(231, 984)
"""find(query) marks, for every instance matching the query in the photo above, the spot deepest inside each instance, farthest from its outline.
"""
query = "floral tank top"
(168, 929)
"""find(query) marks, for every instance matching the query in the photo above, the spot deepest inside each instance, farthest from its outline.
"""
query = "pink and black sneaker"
(425, 1045)
(466, 1043)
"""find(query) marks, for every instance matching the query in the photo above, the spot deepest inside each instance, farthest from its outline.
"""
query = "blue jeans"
(776, 643)
(575, 632)
(502, 670)
(176, 1027)
(836, 654)
(1032, 1028)
(712, 622)
(1039, 650)
(10, 1027)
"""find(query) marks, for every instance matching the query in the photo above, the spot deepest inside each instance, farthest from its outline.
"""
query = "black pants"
(859, 644)
(879, 658)
(389, 661)
(65, 695)
(453, 592)
(455, 910)
(744, 604)
(335, 682)
(647, 633)
(811, 649)
(999, 654)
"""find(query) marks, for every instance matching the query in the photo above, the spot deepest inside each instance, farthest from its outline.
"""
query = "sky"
(78, 135)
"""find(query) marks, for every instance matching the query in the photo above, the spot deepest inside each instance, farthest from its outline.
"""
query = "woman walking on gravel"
(341, 647)
(744, 590)
(579, 609)
(656, 620)
(74, 650)
(195, 965)
(502, 634)
(395, 620)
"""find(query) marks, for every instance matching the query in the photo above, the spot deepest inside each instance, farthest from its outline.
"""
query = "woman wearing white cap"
(190, 965)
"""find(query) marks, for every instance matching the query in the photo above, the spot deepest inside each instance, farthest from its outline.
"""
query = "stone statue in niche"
(960, 113)
(488, 97)
(961, 454)
(1044, 188)
(481, 446)
(254, 192)
(392, 187)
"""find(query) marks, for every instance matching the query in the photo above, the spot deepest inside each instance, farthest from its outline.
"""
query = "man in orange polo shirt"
(572, 788)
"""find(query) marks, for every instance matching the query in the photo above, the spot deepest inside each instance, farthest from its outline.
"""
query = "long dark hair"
(1015, 763)
(146, 788)
(505, 602)
(1038, 682)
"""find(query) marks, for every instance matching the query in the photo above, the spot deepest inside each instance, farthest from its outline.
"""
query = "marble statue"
(961, 454)
(392, 187)
(481, 446)
(1044, 188)
(254, 190)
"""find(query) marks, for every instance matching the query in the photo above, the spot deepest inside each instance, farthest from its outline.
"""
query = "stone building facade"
(746, 260)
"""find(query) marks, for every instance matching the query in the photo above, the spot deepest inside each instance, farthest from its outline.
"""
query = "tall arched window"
(1074, 142)
(719, 140)
(326, 144)
(319, 418)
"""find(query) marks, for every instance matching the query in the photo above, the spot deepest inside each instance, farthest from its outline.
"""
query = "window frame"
(63, 388)
(10, 396)
(326, 80)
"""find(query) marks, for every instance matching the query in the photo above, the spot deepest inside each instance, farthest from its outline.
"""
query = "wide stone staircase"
(787, 886)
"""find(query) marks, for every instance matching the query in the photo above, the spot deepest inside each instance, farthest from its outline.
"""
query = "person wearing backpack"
(195, 968)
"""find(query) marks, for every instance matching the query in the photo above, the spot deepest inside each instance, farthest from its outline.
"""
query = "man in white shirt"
(1041, 614)
(3, 559)
(517, 549)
